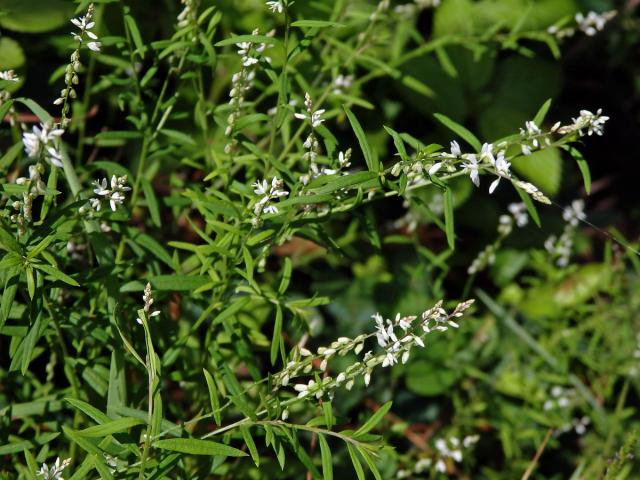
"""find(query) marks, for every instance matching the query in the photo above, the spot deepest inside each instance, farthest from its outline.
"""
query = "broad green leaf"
(543, 168)
(459, 130)
(35, 16)
(198, 447)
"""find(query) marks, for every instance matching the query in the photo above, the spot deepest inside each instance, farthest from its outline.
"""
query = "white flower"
(435, 168)
(455, 149)
(260, 188)
(276, 7)
(486, 153)
(55, 471)
(472, 167)
(574, 213)
(502, 170)
(95, 46)
(9, 75)
(519, 212)
(593, 22)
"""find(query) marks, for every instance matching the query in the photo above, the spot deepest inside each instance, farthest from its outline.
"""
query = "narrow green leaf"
(448, 219)
(84, 443)
(251, 445)
(374, 419)
(213, 396)
(135, 34)
(357, 466)
(315, 24)
(528, 202)
(369, 461)
(286, 276)
(325, 453)
(459, 130)
(8, 294)
(114, 426)
(88, 410)
(582, 165)
(362, 140)
(40, 112)
(178, 283)
(57, 274)
(542, 113)
(198, 447)
(277, 334)
(152, 202)
(398, 142)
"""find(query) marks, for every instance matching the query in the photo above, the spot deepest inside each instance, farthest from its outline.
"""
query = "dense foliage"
(346, 238)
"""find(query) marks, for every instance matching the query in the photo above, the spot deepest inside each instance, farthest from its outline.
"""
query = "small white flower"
(455, 149)
(472, 167)
(95, 46)
(55, 471)
(9, 75)
(435, 168)
(276, 6)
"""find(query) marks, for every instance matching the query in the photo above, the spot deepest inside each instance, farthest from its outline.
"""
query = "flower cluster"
(395, 338)
(147, 298)
(589, 24)
(560, 247)
(342, 83)
(493, 158)
(84, 25)
(593, 22)
(586, 121)
(114, 195)
(5, 95)
(42, 142)
(35, 187)
(450, 449)
(251, 54)
(487, 256)
(311, 144)
(268, 193)
(55, 471)
(189, 14)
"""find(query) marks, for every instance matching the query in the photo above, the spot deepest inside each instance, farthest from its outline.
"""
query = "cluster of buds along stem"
(84, 36)
(34, 187)
(145, 314)
(251, 54)
(394, 337)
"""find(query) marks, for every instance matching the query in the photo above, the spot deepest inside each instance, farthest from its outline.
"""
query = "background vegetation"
(540, 380)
